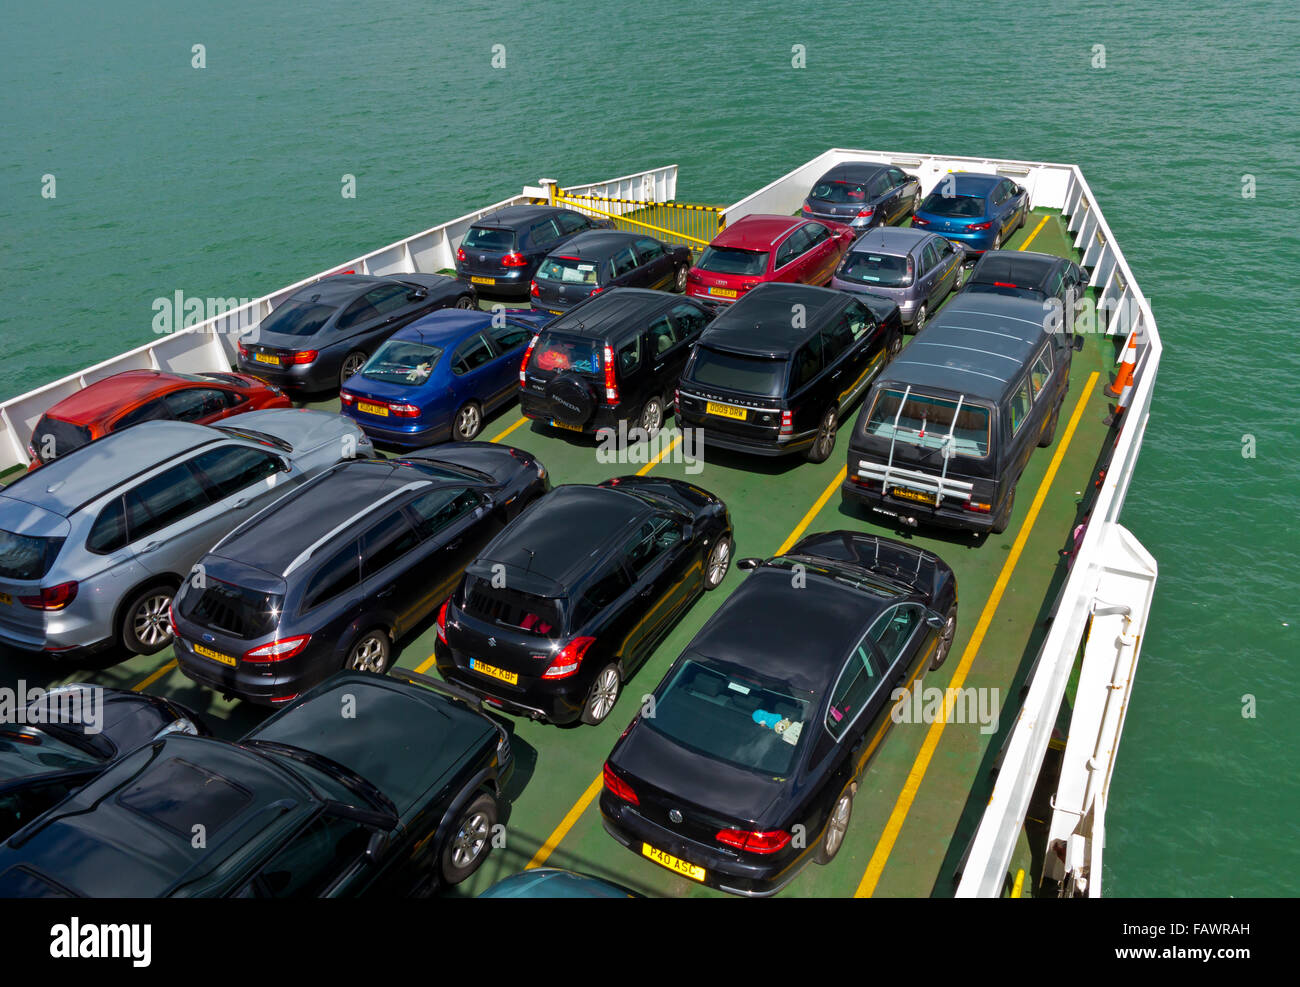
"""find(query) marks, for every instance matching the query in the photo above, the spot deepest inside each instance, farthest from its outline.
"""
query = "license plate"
(373, 409)
(555, 311)
(215, 655)
(566, 425)
(266, 358)
(6, 599)
(919, 496)
(483, 280)
(726, 411)
(492, 672)
(672, 863)
(722, 292)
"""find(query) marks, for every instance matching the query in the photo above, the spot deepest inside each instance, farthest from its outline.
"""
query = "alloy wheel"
(464, 301)
(652, 416)
(681, 280)
(838, 825)
(719, 561)
(368, 655)
(604, 694)
(470, 839)
(150, 622)
(921, 316)
(352, 365)
(468, 421)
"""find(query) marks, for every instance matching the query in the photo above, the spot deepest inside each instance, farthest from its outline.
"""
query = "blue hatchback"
(980, 212)
(440, 377)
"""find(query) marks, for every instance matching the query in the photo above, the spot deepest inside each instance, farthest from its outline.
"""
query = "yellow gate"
(673, 222)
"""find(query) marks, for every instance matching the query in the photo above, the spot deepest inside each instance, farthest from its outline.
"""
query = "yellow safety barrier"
(691, 225)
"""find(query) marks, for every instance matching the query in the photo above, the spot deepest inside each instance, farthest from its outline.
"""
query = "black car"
(863, 194)
(322, 334)
(398, 797)
(603, 259)
(1028, 275)
(612, 359)
(500, 253)
(566, 603)
(776, 371)
(65, 738)
(760, 730)
(331, 575)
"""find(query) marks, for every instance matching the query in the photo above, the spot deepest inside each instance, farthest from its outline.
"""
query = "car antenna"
(530, 560)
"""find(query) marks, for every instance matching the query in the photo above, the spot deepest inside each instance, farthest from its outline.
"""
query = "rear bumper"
(907, 512)
(253, 687)
(406, 439)
(560, 702)
(52, 647)
(605, 416)
(735, 443)
(514, 281)
(298, 377)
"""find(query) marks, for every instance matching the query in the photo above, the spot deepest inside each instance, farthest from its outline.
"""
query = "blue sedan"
(980, 212)
(441, 377)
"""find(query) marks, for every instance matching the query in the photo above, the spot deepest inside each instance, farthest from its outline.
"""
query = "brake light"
(514, 259)
(595, 292)
(1004, 284)
(524, 363)
(806, 209)
(861, 481)
(693, 275)
(618, 787)
(346, 397)
(532, 289)
(442, 621)
(569, 659)
(866, 213)
(611, 385)
(980, 226)
(284, 699)
(243, 350)
(51, 597)
(278, 651)
(460, 253)
(787, 423)
(305, 356)
(911, 269)
(754, 842)
(171, 619)
(918, 221)
(973, 505)
(404, 410)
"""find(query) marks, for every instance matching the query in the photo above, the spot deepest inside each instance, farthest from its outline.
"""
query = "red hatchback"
(144, 395)
(762, 248)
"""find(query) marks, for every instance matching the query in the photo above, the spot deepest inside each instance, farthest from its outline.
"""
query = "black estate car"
(332, 574)
(1038, 277)
(323, 333)
(862, 194)
(569, 601)
(501, 251)
(776, 371)
(399, 797)
(950, 425)
(761, 729)
(612, 359)
(599, 260)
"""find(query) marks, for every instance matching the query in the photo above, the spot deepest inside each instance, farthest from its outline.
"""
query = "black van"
(777, 370)
(610, 359)
(947, 429)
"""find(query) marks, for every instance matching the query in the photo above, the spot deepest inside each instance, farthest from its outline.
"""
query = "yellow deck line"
(813, 511)
(659, 458)
(1041, 223)
(144, 684)
(561, 831)
(502, 435)
(903, 805)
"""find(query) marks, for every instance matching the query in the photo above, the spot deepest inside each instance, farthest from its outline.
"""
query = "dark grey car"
(501, 252)
(600, 260)
(913, 269)
(862, 194)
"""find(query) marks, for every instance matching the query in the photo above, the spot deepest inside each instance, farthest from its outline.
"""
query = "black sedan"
(744, 767)
(501, 251)
(322, 334)
(369, 785)
(862, 194)
(602, 259)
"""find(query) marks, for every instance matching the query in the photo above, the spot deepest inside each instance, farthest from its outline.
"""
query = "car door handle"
(455, 543)
(837, 373)
(242, 502)
(148, 547)
(386, 592)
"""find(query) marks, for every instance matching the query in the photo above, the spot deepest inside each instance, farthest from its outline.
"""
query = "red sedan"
(143, 395)
(762, 248)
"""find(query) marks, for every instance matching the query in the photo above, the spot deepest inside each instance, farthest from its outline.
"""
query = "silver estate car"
(94, 544)
(912, 268)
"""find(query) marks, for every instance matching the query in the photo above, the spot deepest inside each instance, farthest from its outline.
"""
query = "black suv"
(613, 358)
(500, 253)
(331, 575)
(776, 371)
(566, 603)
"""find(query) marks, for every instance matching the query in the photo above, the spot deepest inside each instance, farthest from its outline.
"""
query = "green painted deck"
(922, 795)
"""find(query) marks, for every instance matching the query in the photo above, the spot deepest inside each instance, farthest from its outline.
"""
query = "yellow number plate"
(726, 411)
(491, 671)
(484, 280)
(672, 863)
(372, 409)
(215, 655)
(920, 496)
(722, 292)
(266, 358)
(571, 428)
(6, 599)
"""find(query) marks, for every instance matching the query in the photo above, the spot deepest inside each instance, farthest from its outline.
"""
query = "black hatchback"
(777, 370)
(572, 598)
(612, 359)
(500, 252)
(332, 574)
(603, 259)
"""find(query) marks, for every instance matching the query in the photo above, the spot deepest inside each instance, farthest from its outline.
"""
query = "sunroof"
(179, 796)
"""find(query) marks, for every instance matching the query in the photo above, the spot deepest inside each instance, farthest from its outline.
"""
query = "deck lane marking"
(659, 458)
(814, 510)
(561, 831)
(502, 435)
(1041, 223)
(141, 686)
(903, 805)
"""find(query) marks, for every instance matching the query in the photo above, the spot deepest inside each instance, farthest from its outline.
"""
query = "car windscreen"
(297, 318)
(733, 715)
(54, 437)
(885, 270)
(759, 375)
(402, 361)
(555, 352)
(732, 260)
(956, 206)
(221, 606)
(507, 607)
(489, 238)
(26, 556)
(568, 270)
(925, 422)
(840, 192)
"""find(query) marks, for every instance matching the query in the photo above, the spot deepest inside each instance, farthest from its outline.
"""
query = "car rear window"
(925, 422)
(956, 206)
(512, 608)
(569, 270)
(885, 270)
(554, 353)
(402, 361)
(231, 609)
(489, 238)
(54, 437)
(26, 556)
(840, 192)
(732, 260)
(759, 375)
(297, 318)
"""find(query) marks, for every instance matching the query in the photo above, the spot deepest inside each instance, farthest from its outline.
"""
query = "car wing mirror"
(748, 563)
(285, 465)
(934, 619)
(376, 847)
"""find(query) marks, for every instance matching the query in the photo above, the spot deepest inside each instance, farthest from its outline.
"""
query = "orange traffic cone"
(1122, 387)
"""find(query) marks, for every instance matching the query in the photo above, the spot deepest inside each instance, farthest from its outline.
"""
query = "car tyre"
(652, 416)
(352, 364)
(370, 652)
(467, 422)
(896, 344)
(997, 240)
(961, 277)
(464, 301)
(1004, 516)
(470, 840)
(679, 285)
(719, 562)
(824, 442)
(602, 696)
(145, 626)
(1049, 433)
(922, 316)
(945, 637)
(837, 827)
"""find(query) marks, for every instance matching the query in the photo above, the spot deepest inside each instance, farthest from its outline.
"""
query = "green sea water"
(225, 181)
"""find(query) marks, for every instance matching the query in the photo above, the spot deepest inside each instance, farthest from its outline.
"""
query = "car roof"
(611, 311)
(597, 245)
(853, 171)
(760, 323)
(512, 216)
(757, 231)
(445, 326)
(971, 183)
(977, 346)
(1026, 270)
(891, 239)
(337, 288)
(68, 482)
(97, 400)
